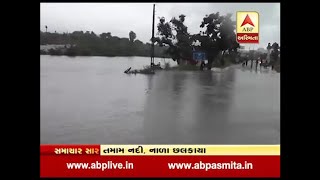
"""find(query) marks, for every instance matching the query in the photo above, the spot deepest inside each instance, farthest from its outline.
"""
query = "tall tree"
(105, 35)
(183, 38)
(275, 52)
(165, 33)
(179, 44)
(218, 37)
(132, 36)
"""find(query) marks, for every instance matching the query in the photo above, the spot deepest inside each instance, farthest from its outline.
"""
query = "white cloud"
(121, 18)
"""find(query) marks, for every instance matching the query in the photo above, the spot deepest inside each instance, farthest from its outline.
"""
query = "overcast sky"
(121, 18)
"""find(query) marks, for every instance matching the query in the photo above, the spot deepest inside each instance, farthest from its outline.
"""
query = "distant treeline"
(89, 44)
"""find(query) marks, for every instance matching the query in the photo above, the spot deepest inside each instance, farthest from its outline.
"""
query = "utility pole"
(152, 45)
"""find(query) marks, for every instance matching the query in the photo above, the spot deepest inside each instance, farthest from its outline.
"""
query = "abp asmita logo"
(247, 27)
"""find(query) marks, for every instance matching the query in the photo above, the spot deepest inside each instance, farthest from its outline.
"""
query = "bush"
(85, 52)
(42, 52)
(55, 52)
(71, 52)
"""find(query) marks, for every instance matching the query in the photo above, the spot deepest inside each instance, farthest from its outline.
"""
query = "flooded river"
(89, 100)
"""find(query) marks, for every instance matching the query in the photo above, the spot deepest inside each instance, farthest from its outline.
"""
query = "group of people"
(260, 61)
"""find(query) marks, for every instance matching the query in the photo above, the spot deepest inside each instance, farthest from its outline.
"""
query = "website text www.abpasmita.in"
(109, 165)
(210, 166)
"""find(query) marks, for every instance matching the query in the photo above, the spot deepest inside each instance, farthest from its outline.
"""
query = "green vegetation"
(275, 56)
(90, 44)
(277, 66)
(218, 38)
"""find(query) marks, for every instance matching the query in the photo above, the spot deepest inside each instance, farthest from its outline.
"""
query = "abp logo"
(247, 27)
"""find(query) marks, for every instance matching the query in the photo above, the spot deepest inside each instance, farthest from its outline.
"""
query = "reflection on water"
(91, 100)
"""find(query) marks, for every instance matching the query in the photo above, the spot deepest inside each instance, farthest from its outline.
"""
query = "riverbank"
(98, 55)
(72, 53)
(186, 67)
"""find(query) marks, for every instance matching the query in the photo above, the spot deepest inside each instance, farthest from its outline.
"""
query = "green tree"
(184, 42)
(269, 46)
(275, 52)
(179, 45)
(219, 36)
(132, 36)
(89, 43)
(105, 35)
